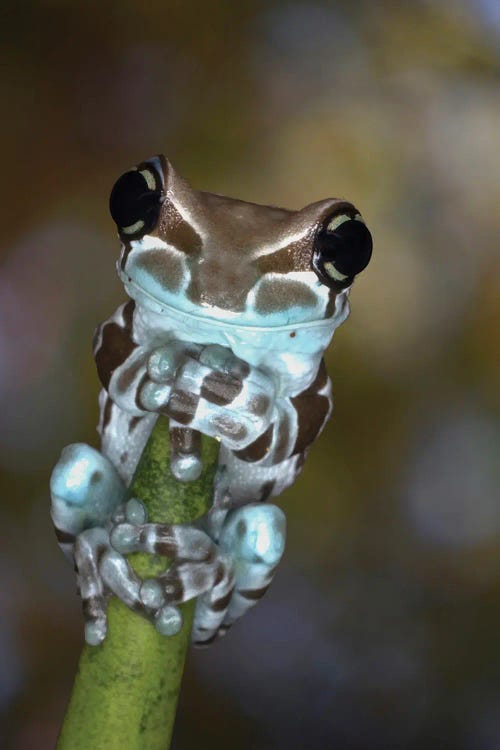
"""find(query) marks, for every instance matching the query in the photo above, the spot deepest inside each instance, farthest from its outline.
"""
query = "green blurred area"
(381, 629)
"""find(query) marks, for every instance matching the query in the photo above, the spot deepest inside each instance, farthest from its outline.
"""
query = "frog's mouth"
(228, 319)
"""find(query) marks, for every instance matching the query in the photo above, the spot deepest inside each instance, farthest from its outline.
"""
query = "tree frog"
(231, 307)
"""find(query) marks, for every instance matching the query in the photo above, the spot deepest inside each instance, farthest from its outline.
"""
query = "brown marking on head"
(275, 294)
(176, 231)
(164, 265)
(231, 235)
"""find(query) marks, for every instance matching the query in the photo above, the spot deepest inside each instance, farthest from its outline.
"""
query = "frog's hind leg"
(254, 537)
(198, 569)
(211, 607)
(87, 494)
(90, 548)
(101, 571)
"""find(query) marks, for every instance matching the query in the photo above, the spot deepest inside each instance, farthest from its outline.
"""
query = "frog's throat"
(140, 295)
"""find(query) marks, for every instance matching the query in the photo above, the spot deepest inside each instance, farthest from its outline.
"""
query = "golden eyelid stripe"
(133, 228)
(341, 219)
(332, 271)
(149, 177)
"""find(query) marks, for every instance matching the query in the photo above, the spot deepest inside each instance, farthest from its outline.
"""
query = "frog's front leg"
(210, 390)
(204, 388)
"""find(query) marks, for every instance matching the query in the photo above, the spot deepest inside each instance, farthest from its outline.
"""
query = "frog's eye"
(136, 200)
(342, 249)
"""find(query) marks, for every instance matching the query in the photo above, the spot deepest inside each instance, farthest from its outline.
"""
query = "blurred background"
(382, 629)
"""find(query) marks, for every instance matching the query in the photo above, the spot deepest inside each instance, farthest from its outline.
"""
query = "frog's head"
(232, 261)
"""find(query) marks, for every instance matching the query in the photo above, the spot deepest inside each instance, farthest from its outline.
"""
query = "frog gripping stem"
(125, 692)
(214, 388)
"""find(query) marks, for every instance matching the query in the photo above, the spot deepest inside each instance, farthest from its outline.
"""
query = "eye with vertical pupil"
(342, 249)
(135, 203)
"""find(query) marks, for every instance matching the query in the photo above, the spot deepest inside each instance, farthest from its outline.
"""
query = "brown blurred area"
(382, 629)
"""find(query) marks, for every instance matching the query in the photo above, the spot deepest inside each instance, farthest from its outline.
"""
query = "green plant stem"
(126, 690)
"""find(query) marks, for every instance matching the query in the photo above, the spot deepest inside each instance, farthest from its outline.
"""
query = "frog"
(230, 308)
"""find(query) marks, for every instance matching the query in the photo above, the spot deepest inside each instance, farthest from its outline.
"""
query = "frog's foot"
(85, 490)
(228, 578)
(198, 568)
(253, 536)
(102, 572)
(210, 390)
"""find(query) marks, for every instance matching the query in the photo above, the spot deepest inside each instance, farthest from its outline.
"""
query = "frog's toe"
(135, 512)
(90, 583)
(152, 594)
(126, 538)
(95, 631)
(168, 620)
(102, 571)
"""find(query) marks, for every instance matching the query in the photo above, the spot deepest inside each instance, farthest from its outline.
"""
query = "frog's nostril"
(342, 250)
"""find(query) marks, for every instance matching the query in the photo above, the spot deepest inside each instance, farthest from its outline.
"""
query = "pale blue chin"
(146, 291)
(290, 341)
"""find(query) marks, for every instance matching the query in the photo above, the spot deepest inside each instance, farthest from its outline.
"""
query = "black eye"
(342, 249)
(136, 200)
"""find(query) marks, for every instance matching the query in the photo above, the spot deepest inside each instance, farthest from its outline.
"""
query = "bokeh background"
(382, 629)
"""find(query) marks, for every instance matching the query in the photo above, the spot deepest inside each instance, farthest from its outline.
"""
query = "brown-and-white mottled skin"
(224, 332)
